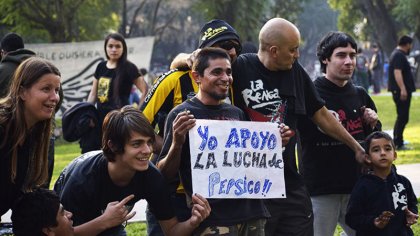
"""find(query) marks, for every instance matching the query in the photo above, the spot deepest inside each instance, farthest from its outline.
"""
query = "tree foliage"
(247, 16)
(385, 20)
(60, 20)
(314, 22)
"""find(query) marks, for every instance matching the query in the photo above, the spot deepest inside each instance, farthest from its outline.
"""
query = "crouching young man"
(101, 187)
(41, 213)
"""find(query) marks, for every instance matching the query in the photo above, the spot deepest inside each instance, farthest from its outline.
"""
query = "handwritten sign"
(237, 159)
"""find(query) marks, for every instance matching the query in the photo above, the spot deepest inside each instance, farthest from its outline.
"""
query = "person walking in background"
(114, 78)
(329, 168)
(13, 52)
(376, 68)
(361, 72)
(26, 117)
(401, 85)
(383, 202)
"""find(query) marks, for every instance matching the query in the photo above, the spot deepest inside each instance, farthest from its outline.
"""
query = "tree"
(248, 16)
(59, 20)
(173, 24)
(386, 19)
(245, 16)
(316, 19)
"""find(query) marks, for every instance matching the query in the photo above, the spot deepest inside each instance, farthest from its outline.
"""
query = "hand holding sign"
(183, 122)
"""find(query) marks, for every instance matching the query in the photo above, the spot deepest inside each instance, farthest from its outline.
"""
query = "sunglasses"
(228, 45)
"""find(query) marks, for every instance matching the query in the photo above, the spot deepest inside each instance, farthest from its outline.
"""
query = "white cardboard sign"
(237, 159)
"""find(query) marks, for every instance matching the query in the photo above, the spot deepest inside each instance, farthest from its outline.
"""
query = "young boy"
(382, 202)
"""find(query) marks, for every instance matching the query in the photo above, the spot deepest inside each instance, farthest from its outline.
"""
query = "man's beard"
(218, 96)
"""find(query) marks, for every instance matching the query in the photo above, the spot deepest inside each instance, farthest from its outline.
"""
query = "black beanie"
(215, 31)
(11, 42)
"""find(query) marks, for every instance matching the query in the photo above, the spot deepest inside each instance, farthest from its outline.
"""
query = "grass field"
(65, 152)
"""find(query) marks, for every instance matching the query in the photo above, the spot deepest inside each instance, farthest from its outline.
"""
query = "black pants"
(403, 110)
(293, 215)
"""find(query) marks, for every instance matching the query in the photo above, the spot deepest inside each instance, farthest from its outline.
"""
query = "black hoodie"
(373, 195)
(8, 66)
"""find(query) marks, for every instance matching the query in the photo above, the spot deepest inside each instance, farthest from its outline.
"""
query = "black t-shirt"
(223, 211)
(275, 96)
(106, 81)
(398, 60)
(329, 166)
(85, 189)
(11, 191)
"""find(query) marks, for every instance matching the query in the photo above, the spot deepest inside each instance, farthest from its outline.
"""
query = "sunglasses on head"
(228, 45)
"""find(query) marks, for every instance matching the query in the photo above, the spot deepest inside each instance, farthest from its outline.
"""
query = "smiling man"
(101, 187)
(213, 74)
(329, 168)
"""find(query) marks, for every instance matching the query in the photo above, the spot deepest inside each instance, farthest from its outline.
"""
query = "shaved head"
(279, 44)
(277, 31)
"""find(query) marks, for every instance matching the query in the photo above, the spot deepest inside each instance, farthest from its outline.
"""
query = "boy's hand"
(411, 217)
(382, 220)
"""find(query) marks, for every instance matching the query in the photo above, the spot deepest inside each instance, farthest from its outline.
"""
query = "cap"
(11, 42)
(215, 31)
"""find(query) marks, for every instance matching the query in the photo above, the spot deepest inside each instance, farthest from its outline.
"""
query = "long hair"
(122, 69)
(15, 129)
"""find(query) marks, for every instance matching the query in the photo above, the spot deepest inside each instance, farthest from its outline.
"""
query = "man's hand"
(183, 122)
(200, 210)
(370, 118)
(286, 134)
(403, 94)
(360, 156)
(192, 57)
(116, 213)
(382, 220)
(411, 217)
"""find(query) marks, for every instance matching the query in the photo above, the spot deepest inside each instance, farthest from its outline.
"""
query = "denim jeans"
(329, 210)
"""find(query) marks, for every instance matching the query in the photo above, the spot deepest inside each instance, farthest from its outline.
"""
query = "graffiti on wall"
(77, 63)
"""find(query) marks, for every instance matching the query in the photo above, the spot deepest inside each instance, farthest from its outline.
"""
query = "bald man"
(272, 86)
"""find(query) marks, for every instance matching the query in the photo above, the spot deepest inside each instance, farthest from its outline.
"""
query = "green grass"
(66, 152)
(387, 115)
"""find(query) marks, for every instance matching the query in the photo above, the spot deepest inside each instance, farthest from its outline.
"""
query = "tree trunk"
(383, 25)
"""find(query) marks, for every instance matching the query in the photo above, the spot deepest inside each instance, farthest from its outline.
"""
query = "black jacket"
(373, 195)
(76, 122)
(8, 66)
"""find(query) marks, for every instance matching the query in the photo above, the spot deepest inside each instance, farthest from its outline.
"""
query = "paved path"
(412, 172)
